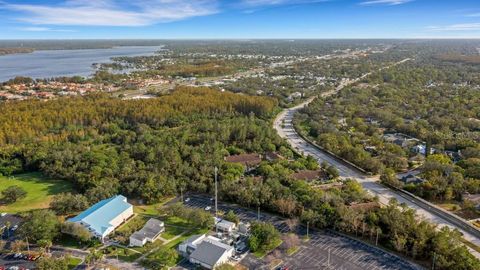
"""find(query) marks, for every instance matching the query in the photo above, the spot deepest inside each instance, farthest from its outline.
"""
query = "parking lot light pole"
(216, 193)
(308, 223)
(328, 259)
(28, 245)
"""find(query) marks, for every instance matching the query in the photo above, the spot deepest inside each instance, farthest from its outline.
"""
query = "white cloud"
(42, 29)
(473, 15)
(385, 2)
(456, 27)
(113, 12)
(257, 3)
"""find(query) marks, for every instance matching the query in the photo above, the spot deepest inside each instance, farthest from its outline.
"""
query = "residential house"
(412, 179)
(250, 161)
(273, 156)
(309, 175)
(104, 217)
(149, 233)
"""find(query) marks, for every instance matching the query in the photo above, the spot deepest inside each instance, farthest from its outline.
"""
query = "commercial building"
(104, 217)
(206, 251)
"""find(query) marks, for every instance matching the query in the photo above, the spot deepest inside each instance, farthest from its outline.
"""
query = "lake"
(58, 63)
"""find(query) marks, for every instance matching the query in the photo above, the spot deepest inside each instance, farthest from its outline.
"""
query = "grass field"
(73, 262)
(40, 191)
(123, 254)
(150, 209)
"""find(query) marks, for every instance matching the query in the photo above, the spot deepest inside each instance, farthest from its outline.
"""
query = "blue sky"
(216, 19)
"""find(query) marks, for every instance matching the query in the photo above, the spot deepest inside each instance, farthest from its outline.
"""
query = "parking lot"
(345, 253)
(6, 262)
(324, 250)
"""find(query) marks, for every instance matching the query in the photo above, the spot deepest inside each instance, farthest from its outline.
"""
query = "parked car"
(17, 256)
(187, 199)
(208, 208)
(9, 257)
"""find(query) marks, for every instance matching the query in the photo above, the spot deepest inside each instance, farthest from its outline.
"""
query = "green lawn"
(123, 254)
(148, 246)
(171, 232)
(292, 250)
(176, 221)
(39, 188)
(150, 209)
(261, 253)
(73, 262)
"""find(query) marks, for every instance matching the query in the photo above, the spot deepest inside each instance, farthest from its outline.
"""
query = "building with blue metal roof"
(104, 217)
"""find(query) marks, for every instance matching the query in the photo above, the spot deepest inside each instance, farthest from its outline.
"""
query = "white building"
(149, 233)
(104, 217)
(225, 226)
(206, 251)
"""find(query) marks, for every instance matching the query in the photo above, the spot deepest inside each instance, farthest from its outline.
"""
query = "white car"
(187, 199)
(208, 208)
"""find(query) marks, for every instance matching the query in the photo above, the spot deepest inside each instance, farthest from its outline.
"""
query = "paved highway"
(283, 125)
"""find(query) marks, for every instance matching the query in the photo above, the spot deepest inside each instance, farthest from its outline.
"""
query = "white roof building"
(206, 251)
(104, 217)
(225, 226)
(149, 233)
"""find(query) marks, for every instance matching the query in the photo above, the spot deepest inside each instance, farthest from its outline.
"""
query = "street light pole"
(216, 193)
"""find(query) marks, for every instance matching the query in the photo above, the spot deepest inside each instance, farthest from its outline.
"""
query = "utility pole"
(328, 259)
(434, 258)
(308, 223)
(216, 193)
(376, 240)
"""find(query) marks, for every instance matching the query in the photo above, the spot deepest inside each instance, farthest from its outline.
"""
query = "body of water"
(58, 63)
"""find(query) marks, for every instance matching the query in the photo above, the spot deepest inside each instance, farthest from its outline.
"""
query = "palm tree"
(45, 245)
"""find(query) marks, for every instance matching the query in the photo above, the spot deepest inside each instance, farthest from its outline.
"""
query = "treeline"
(145, 149)
(43, 121)
(4, 51)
